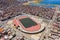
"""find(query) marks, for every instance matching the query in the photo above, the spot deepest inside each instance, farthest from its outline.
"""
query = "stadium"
(27, 23)
(29, 19)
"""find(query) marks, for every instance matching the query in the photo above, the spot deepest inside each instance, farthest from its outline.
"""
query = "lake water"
(51, 3)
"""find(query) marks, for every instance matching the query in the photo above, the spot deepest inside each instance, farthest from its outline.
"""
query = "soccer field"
(27, 22)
